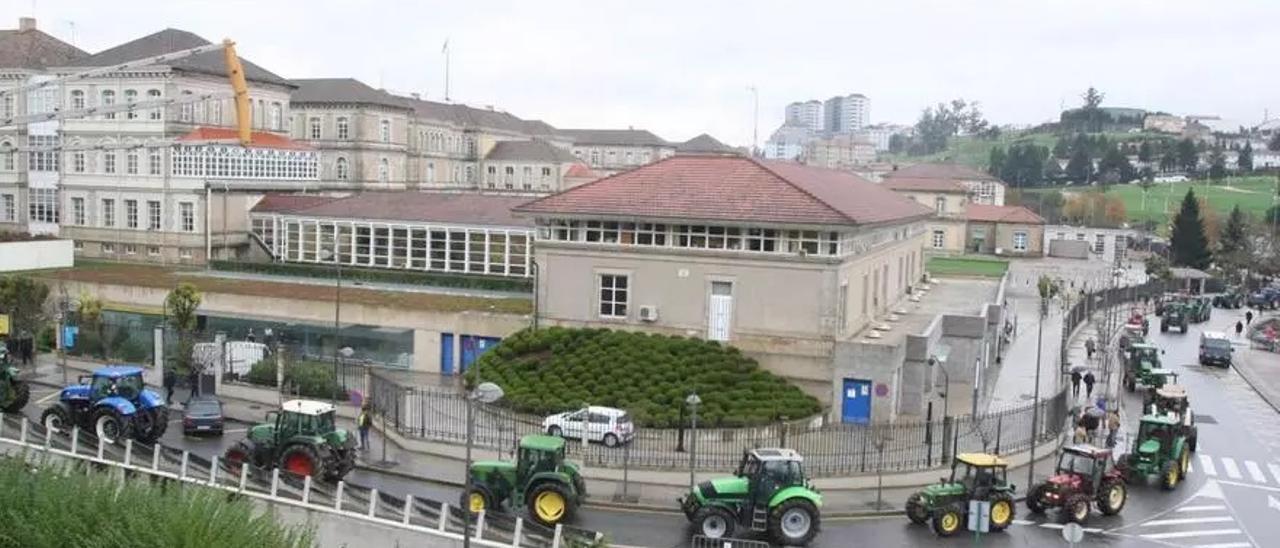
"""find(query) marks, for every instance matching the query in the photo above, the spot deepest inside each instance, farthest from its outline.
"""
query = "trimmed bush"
(558, 369)
(311, 379)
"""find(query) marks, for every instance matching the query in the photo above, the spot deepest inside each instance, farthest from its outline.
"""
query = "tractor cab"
(980, 473)
(1156, 436)
(1140, 353)
(1169, 400)
(299, 419)
(539, 454)
(1083, 463)
(768, 471)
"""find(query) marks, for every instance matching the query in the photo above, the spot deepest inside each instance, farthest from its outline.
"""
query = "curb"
(1257, 386)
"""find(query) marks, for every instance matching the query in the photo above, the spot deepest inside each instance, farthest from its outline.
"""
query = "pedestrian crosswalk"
(1233, 469)
(1205, 520)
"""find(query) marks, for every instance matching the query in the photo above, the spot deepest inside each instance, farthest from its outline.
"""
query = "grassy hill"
(974, 151)
(1253, 194)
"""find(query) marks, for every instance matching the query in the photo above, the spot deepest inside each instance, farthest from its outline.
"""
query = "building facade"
(1105, 244)
(948, 200)
(847, 114)
(983, 187)
(839, 152)
(609, 151)
(659, 249)
(787, 143)
(1003, 230)
(807, 114)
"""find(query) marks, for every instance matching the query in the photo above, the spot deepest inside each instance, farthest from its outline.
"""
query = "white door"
(720, 311)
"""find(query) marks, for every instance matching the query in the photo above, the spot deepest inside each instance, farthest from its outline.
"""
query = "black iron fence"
(1083, 305)
(439, 414)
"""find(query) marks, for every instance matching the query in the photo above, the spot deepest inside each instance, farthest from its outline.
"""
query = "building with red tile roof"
(983, 188)
(1003, 230)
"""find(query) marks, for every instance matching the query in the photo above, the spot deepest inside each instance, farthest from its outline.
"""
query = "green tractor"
(540, 480)
(1171, 401)
(974, 476)
(1199, 309)
(1143, 367)
(1161, 449)
(14, 393)
(299, 438)
(767, 493)
(1175, 316)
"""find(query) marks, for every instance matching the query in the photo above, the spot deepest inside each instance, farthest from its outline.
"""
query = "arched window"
(385, 131)
(154, 95)
(314, 127)
(7, 156)
(276, 113)
(384, 170)
(344, 129)
(108, 99)
(187, 111)
(77, 99)
(130, 97)
(431, 172)
(341, 169)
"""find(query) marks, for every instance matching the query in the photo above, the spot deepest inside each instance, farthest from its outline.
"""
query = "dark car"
(202, 416)
(1215, 349)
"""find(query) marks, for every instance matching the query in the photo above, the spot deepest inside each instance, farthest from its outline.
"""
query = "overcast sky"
(683, 68)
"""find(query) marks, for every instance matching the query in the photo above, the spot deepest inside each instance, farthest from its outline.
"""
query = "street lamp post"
(1035, 406)
(940, 363)
(693, 401)
(484, 393)
(337, 314)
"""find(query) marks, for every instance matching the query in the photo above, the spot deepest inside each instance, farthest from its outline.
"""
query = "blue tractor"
(113, 403)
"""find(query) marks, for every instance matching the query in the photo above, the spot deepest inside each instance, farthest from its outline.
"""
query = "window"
(491, 175)
(7, 158)
(109, 161)
(276, 113)
(109, 248)
(130, 249)
(77, 246)
(77, 161)
(77, 99)
(154, 162)
(431, 172)
(384, 131)
(614, 295)
(384, 170)
(315, 127)
(509, 176)
(1019, 241)
(153, 250)
(187, 216)
(527, 182)
(131, 161)
(1099, 242)
(184, 252)
(77, 211)
(186, 112)
(108, 212)
(215, 112)
(44, 160)
(940, 205)
(344, 130)
(8, 209)
(43, 206)
(939, 239)
(131, 213)
(108, 99)
(155, 113)
(131, 97)
(546, 172)
(153, 215)
(340, 169)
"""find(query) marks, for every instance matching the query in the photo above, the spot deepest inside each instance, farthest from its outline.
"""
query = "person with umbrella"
(1075, 383)
(1088, 385)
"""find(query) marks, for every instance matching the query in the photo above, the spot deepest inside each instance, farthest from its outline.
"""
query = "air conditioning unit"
(648, 313)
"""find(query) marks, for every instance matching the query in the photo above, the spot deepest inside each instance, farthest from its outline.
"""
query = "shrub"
(557, 369)
(309, 379)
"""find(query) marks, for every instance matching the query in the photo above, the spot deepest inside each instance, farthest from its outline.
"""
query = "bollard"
(408, 508)
(373, 502)
(306, 490)
(275, 481)
(213, 470)
(337, 497)
(444, 515)
(518, 533)
(479, 525)
(244, 475)
(182, 471)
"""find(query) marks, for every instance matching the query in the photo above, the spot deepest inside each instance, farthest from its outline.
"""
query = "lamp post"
(940, 363)
(484, 393)
(1046, 291)
(693, 401)
(337, 314)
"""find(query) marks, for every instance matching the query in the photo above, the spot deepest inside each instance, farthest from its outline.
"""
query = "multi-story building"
(608, 151)
(983, 188)
(839, 152)
(881, 134)
(948, 200)
(807, 114)
(846, 114)
(787, 143)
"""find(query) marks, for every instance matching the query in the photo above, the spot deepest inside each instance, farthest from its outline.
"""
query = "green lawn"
(1252, 194)
(967, 266)
(974, 152)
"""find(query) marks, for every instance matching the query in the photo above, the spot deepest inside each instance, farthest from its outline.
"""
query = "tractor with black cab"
(768, 493)
(974, 476)
(1085, 476)
(113, 403)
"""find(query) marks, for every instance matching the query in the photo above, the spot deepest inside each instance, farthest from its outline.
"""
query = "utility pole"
(445, 51)
(755, 120)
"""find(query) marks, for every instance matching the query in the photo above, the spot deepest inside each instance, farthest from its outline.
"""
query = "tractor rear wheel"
(21, 395)
(236, 456)
(302, 461)
(1076, 508)
(713, 522)
(57, 419)
(948, 520)
(1184, 464)
(478, 498)
(1002, 512)
(151, 424)
(1035, 499)
(1112, 496)
(917, 512)
(1169, 475)
(109, 426)
(794, 522)
(549, 503)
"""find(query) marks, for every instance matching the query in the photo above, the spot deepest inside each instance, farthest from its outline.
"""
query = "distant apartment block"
(839, 152)
(848, 113)
(807, 114)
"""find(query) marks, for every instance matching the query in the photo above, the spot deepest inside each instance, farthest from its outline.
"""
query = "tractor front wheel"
(794, 522)
(21, 395)
(151, 424)
(477, 498)
(948, 520)
(1169, 475)
(1184, 465)
(237, 456)
(549, 503)
(713, 522)
(302, 461)
(56, 419)
(1002, 512)
(1035, 499)
(917, 512)
(109, 426)
(1112, 496)
(1077, 508)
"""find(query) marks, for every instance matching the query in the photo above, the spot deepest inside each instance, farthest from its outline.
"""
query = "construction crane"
(235, 73)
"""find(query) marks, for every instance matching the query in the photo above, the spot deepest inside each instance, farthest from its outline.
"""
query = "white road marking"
(1060, 526)
(1185, 534)
(48, 397)
(1207, 462)
(1275, 471)
(1233, 471)
(1226, 545)
(1023, 522)
(1204, 508)
(1255, 471)
(1186, 521)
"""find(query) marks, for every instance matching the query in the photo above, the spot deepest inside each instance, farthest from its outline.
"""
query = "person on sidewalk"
(1113, 427)
(1088, 385)
(1239, 328)
(362, 423)
(1090, 347)
(170, 380)
(1075, 384)
(1248, 317)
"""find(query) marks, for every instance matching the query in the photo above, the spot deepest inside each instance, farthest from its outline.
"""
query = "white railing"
(344, 500)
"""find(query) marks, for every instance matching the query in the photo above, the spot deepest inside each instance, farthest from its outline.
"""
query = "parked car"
(603, 424)
(202, 416)
(1215, 349)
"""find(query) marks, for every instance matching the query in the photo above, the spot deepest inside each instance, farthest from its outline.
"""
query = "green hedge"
(311, 379)
(48, 506)
(558, 369)
(380, 276)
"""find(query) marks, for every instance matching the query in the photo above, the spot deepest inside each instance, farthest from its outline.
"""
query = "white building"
(1104, 244)
(845, 114)
(881, 134)
(787, 142)
(807, 114)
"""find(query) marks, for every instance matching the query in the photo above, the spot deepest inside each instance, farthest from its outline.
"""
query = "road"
(1230, 500)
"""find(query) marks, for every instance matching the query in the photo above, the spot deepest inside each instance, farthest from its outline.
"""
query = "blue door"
(856, 401)
(446, 353)
(473, 346)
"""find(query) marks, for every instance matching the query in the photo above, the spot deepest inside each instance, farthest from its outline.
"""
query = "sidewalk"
(1259, 368)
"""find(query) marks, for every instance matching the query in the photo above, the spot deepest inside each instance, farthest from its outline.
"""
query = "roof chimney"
(26, 24)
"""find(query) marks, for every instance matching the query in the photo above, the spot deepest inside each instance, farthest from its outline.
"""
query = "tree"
(1245, 160)
(91, 318)
(1217, 166)
(1234, 244)
(995, 161)
(1169, 161)
(1145, 152)
(897, 143)
(940, 123)
(1274, 144)
(1092, 98)
(1188, 242)
(1053, 172)
(1062, 148)
(1080, 167)
(180, 306)
(1115, 167)
(1188, 156)
(1094, 208)
(23, 299)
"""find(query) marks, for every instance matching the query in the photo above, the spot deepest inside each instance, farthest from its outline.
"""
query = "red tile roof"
(1001, 214)
(423, 207)
(258, 139)
(732, 188)
(581, 170)
(940, 171)
(925, 185)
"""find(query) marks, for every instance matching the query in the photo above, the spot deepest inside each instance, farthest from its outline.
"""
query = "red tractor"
(1085, 475)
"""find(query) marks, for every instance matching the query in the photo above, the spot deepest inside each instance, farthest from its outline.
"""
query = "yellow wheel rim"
(1117, 495)
(950, 522)
(1000, 513)
(549, 506)
(1171, 478)
(476, 501)
(1186, 463)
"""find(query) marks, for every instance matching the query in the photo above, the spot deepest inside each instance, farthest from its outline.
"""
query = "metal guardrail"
(700, 541)
(347, 500)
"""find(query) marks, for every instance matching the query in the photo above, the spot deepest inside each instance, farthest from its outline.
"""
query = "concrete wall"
(36, 255)
(1069, 249)
(881, 364)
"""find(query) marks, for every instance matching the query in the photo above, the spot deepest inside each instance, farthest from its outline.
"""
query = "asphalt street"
(1231, 498)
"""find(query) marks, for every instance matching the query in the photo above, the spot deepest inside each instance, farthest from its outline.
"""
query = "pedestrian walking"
(1081, 435)
(1113, 427)
(363, 422)
(170, 380)
(1088, 385)
(1248, 317)
(1239, 328)
(1075, 384)
(1090, 346)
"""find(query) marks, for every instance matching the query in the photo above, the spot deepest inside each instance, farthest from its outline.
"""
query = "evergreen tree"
(1235, 237)
(1188, 157)
(1169, 161)
(1145, 152)
(1062, 148)
(1274, 144)
(995, 161)
(1245, 160)
(1217, 166)
(1188, 242)
(1115, 167)
(1052, 171)
(1080, 168)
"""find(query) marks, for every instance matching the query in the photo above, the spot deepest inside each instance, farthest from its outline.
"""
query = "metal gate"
(700, 541)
